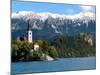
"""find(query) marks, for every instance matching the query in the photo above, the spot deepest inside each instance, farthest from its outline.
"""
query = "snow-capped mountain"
(43, 16)
(49, 24)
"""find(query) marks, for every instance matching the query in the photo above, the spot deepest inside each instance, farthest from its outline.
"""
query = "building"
(29, 33)
(27, 36)
(36, 47)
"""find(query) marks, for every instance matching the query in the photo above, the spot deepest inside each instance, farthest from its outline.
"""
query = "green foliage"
(14, 52)
(37, 54)
(53, 52)
(20, 51)
(23, 51)
(47, 48)
(62, 46)
(73, 46)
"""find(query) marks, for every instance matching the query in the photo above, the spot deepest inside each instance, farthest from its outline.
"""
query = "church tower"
(29, 33)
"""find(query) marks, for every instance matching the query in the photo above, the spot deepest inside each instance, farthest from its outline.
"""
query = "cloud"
(87, 8)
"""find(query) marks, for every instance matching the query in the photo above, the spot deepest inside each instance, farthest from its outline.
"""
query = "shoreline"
(52, 60)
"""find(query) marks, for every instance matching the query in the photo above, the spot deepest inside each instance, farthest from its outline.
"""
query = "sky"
(66, 9)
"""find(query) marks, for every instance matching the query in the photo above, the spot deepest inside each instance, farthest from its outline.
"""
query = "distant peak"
(45, 15)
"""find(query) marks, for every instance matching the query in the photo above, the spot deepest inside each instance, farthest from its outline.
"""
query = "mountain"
(47, 25)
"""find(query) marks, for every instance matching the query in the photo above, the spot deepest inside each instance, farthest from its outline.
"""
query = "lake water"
(62, 64)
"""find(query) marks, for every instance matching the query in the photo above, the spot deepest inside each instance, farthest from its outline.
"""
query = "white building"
(36, 47)
(29, 33)
(29, 36)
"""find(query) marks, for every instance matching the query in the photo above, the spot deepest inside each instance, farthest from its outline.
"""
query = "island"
(59, 47)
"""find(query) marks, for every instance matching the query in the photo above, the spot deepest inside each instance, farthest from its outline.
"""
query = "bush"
(20, 51)
(14, 52)
(52, 52)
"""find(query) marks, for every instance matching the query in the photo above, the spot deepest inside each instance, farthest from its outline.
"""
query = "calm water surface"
(62, 64)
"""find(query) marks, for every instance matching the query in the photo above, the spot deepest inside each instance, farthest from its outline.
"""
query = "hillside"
(47, 25)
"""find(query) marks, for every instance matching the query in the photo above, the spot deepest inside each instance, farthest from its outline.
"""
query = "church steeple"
(29, 31)
(29, 26)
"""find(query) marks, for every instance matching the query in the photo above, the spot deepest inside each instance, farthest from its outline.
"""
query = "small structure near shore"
(46, 57)
(36, 47)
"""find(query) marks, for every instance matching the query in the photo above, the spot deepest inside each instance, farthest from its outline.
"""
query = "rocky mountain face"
(47, 25)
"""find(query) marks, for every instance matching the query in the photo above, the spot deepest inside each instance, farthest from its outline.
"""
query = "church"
(29, 33)
(27, 36)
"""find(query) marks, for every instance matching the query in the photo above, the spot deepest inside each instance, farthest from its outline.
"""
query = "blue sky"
(50, 7)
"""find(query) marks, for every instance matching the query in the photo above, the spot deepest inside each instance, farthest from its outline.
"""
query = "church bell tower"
(29, 33)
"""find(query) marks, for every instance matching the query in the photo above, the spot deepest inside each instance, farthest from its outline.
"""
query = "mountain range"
(47, 25)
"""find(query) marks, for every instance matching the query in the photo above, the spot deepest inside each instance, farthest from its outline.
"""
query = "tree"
(14, 50)
(20, 51)
(52, 52)
(24, 51)
(37, 54)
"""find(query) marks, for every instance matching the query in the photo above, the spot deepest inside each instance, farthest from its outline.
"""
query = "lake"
(62, 64)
